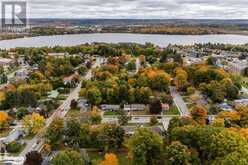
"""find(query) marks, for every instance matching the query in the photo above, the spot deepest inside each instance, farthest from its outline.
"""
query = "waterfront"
(157, 39)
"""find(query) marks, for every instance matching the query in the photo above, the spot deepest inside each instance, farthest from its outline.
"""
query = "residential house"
(165, 106)
(58, 55)
(241, 102)
(22, 73)
(6, 62)
(134, 107)
(110, 107)
(71, 80)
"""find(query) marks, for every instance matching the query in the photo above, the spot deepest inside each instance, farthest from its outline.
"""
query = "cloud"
(191, 9)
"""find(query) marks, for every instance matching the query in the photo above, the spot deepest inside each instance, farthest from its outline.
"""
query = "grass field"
(172, 111)
(110, 113)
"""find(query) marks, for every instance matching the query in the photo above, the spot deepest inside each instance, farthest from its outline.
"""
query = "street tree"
(33, 123)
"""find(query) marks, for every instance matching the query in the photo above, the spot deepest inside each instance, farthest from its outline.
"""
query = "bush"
(214, 110)
(64, 90)
(153, 121)
(190, 90)
(21, 113)
(165, 98)
(14, 147)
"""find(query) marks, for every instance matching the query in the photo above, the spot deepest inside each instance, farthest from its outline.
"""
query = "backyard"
(172, 111)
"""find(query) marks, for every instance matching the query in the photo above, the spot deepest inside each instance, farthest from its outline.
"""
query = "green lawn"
(139, 112)
(172, 111)
(96, 158)
(5, 132)
(18, 153)
(110, 113)
(61, 97)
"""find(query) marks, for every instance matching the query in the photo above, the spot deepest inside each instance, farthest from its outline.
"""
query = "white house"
(134, 107)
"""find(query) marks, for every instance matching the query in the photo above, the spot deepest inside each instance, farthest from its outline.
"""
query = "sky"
(139, 9)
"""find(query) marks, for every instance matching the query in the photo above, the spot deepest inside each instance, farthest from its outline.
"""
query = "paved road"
(34, 143)
(166, 122)
(37, 142)
(179, 102)
(138, 64)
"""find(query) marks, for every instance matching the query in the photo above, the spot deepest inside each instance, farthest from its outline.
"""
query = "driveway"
(178, 100)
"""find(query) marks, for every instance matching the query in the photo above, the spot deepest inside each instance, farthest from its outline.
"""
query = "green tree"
(211, 61)
(180, 122)
(245, 72)
(177, 153)
(21, 112)
(72, 133)
(54, 133)
(145, 147)
(94, 96)
(68, 157)
(3, 78)
(153, 121)
(111, 137)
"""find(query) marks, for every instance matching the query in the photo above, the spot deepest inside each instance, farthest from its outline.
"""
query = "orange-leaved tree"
(110, 159)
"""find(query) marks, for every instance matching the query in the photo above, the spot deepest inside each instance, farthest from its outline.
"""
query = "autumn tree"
(3, 120)
(212, 143)
(95, 116)
(181, 79)
(199, 114)
(33, 123)
(110, 159)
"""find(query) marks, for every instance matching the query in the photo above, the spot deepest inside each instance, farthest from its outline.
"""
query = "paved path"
(178, 100)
